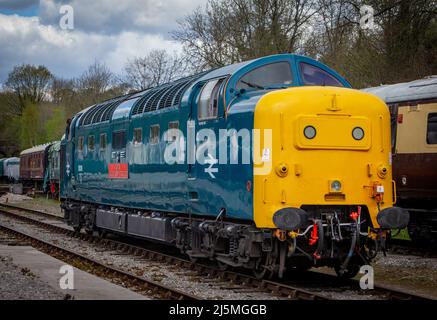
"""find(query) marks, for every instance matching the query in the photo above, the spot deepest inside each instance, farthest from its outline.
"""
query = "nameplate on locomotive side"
(118, 171)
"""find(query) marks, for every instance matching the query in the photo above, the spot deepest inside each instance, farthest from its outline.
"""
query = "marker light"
(335, 186)
(358, 133)
(309, 132)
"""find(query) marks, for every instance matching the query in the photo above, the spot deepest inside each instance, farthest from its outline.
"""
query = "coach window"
(173, 126)
(208, 102)
(273, 75)
(91, 143)
(102, 141)
(314, 76)
(119, 140)
(154, 134)
(80, 143)
(431, 135)
(138, 135)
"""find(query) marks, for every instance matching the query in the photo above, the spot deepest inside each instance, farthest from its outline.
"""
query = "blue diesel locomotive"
(268, 164)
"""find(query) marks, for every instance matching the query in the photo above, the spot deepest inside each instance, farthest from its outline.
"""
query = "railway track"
(399, 246)
(139, 284)
(282, 289)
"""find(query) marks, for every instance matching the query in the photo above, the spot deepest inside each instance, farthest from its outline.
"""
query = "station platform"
(47, 269)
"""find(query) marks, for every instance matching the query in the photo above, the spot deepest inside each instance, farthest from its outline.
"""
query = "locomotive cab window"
(138, 135)
(431, 133)
(314, 76)
(91, 143)
(208, 101)
(119, 140)
(102, 141)
(274, 75)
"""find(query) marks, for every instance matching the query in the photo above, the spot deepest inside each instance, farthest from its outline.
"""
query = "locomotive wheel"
(222, 266)
(261, 269)
(351, 271)
(101, 233)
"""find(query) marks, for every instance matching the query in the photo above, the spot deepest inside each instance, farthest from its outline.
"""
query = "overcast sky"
(109, 31)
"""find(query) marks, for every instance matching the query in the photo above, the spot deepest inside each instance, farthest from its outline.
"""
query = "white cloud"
(114, 16)
(68, 54)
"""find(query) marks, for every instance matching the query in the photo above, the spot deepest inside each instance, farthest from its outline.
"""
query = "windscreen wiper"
(253, 85)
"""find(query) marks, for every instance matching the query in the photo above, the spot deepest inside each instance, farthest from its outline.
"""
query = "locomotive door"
(118, 166)
(205, 120)
(69, 181)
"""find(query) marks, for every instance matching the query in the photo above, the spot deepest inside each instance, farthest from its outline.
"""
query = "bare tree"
(63, 90)
(29, 83)
(229, 31)
(154, 69)
(94, 82)
(401, 46)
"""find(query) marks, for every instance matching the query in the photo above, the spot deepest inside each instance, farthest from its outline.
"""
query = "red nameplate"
(118, 171)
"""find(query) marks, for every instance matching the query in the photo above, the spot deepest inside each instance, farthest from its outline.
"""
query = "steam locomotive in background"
(413, 107)
(316, 192)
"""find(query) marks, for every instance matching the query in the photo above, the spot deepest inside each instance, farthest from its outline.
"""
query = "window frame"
(290, 67)
(302, 79)
(176, 128)
(80, 143)
(220, 83)
(135, 142)
(157, 137)
(428, 117)
(103, 148)
(124, 142)
(91, 146)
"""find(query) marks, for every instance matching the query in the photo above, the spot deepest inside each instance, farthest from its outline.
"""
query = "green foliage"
(55, 126)
(32, 131)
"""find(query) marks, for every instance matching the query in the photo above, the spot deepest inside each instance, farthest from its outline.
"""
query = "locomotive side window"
(208, 102)
(276, 74)
(102, 141)
(431, 133)
(138, 135)
(80, 143)
(119, 140)
(91, 142)
(314, 76)
(172, 127)
(154, 134)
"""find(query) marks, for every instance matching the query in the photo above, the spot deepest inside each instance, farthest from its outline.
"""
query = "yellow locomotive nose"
(329, 147)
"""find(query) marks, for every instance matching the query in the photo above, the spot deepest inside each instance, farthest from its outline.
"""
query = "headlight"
(336, 186)
(358, 133)
(309, 132)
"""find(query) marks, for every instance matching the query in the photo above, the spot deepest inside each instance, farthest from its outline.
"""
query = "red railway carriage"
(33, 162)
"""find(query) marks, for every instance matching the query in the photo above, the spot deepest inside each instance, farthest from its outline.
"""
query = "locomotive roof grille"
(90, 115)
(152, 104)
(163, 96)
(107, 114)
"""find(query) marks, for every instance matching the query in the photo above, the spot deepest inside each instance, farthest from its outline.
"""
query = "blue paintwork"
(155, 185)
